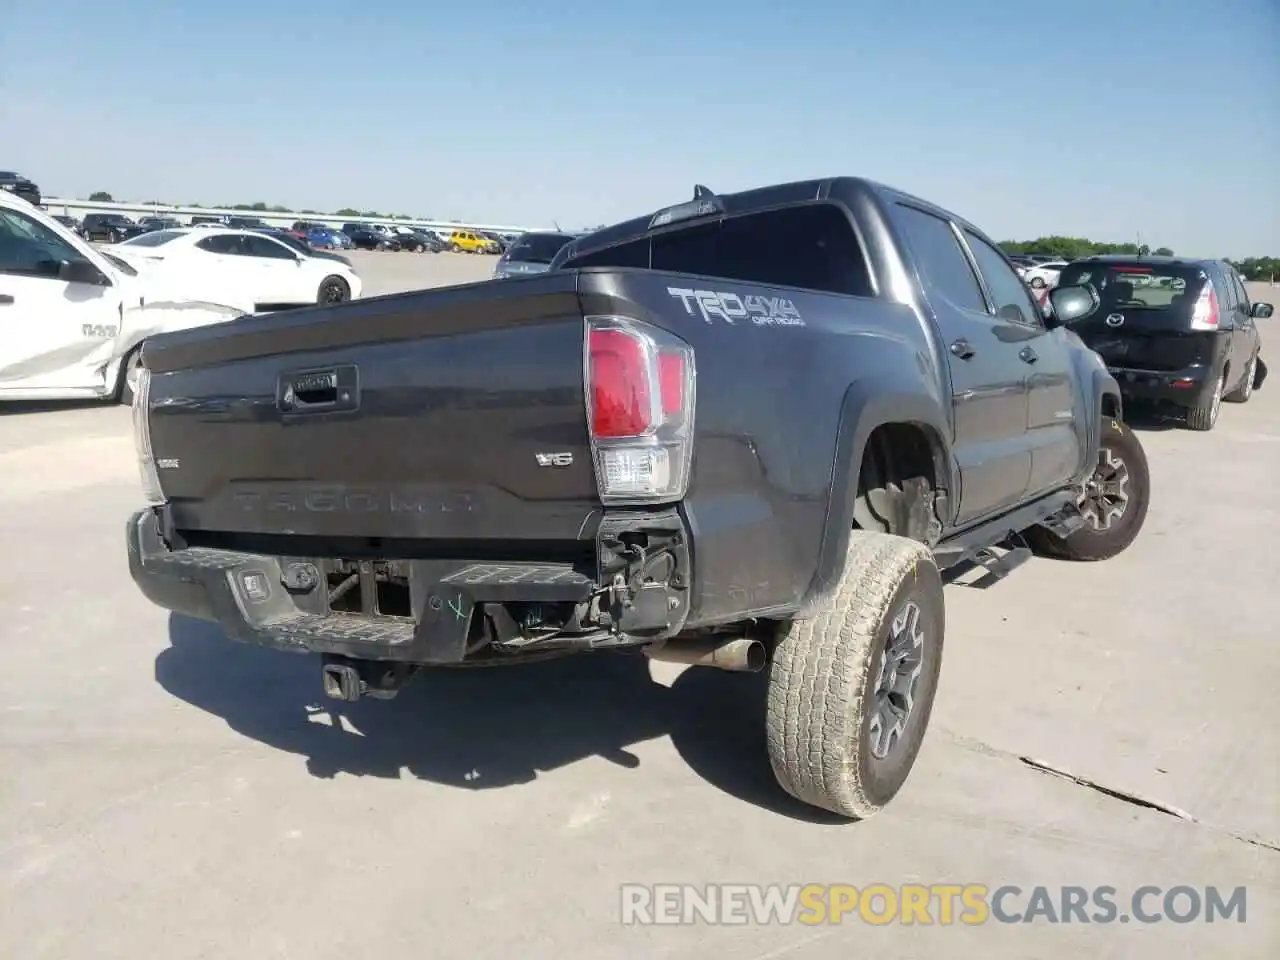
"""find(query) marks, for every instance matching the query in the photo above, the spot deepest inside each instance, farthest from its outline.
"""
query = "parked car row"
(116, 228)
(77, 314)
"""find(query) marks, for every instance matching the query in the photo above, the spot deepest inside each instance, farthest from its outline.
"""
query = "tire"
(1204, 417)
(128, 370)
(825, 679)
(1242, 393)
(333, 290)
(1121, 481)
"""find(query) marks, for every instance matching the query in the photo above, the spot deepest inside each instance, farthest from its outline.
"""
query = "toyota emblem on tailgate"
(1115, 319)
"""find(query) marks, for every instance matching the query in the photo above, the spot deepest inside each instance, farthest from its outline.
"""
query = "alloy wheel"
(1106, 493)
(901, 663)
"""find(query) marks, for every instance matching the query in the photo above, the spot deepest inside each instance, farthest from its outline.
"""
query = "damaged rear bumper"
(423, 611)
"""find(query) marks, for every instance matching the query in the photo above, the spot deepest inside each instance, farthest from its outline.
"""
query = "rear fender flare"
(869, 404)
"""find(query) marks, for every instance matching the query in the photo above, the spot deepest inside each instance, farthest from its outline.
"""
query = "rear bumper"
(246, 595)
(1188, 387)
(436, 607)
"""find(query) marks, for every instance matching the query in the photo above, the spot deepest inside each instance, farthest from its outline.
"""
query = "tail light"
(147, 471)
(1205, 314)
(640, 398)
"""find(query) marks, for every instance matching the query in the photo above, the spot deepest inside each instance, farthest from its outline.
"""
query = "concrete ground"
(165, 793)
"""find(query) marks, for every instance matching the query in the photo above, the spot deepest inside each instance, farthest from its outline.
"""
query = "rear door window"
(945, 270)
(812, 247)
(1138, 286)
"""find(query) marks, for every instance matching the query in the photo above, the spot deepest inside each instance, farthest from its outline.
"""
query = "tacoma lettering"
(351, 501)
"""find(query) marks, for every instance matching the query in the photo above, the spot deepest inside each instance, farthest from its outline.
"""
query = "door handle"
(1027, 355)
(5, 299)
(962, 349)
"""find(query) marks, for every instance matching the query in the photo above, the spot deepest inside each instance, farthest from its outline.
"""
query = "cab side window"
(945, 270)
(29, 249)
(1012, 302)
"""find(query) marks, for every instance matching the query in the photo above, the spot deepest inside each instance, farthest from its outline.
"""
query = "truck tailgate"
(453, 414)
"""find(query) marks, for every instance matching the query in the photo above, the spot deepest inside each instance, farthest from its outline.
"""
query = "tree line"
(1073, 248)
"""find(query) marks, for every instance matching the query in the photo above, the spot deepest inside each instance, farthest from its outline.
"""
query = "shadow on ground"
(1148, 418)
(484, 728)
(18, 407)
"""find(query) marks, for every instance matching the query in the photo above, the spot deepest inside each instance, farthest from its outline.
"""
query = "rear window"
(154, 239)
(1137, 285)
(537, 247)
(812, 247)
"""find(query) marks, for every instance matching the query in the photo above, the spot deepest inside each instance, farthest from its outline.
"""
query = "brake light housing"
(640, 386)
(1205, 314)
(147, 472)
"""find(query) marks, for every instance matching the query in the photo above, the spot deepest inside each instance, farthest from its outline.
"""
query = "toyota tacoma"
(750, 431)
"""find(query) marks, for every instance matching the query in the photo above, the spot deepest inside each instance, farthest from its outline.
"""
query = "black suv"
(1177, 332)
(365, 237)
(110, 227)
(19, 186)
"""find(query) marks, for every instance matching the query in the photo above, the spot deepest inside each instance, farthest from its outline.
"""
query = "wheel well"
(898, 483)
(122, 371)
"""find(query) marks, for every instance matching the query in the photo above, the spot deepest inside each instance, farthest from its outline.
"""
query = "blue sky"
(1104, 118)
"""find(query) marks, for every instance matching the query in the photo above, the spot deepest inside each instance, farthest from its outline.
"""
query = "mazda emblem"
(1115, 319)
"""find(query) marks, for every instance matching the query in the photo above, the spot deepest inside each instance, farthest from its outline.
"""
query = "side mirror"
(81, 271)
(1261, 311)
(1072, 303)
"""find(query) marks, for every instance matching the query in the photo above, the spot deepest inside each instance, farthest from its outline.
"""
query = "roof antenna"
(556, 224)
(702, 193)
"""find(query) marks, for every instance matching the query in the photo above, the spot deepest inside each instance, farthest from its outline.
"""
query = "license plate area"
(372, 588)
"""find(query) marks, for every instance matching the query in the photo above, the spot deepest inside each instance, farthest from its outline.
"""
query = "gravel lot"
(164, 793)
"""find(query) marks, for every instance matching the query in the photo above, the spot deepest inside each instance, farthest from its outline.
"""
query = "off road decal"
(730, 307)
(1115, 425)
(99, 331)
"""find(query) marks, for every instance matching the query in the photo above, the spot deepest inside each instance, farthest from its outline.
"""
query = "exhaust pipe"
(741, 654)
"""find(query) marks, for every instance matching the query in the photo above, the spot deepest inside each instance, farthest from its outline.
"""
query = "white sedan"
(1044, 274)
(250, 270)
(73, 318)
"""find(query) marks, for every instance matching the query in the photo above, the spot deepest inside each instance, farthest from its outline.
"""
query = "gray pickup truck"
(749, 431)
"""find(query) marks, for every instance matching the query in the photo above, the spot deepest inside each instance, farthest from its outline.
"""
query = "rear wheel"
(333, 290)
(1204, 416)
(1113, 502)
(851, 690)
(1242, 393)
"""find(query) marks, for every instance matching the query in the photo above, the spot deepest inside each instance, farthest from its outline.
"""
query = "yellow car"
(469, 242)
